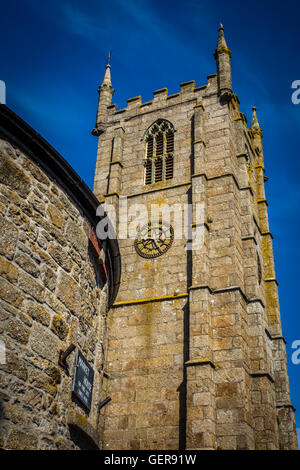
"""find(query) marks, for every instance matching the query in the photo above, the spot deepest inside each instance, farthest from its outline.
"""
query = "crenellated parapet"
(161, 99)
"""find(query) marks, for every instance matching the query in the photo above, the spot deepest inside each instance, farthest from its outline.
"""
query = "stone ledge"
(227, 289)
(149, 299)
(262, 201)
(199, 105)
(249, 238)
(198, 224)
(275, 337)
(260, 230)
(120, 111)
(225, 175)
(285, 405)
(174, 95)
(199, 141)
(112, 194)
(200, 362)
(202, 87)
(150, 191)
(272, 279)
(262, 373)
(147, 103)
(132, 100)
(160, 91)
(185, 183)
(267, 233)
(117, 163)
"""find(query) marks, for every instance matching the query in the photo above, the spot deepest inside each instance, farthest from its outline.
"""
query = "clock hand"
(155, 245)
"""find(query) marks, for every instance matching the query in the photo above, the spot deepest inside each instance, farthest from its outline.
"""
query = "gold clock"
(154, 240)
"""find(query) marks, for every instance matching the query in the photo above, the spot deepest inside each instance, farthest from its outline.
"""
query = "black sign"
(83, 381)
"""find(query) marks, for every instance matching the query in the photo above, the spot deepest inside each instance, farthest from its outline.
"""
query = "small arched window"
(159, 140)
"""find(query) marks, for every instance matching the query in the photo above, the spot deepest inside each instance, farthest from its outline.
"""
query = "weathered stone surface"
(38, 313)
(9, 237)
(33, 397)
(77, 238)
(54, 373)
(13, 176)
(18, 331)
(15, 366)
(59, 327)
(13, 413)
(68, 293)
(29, 285)
(62, 443)
(35, 171)
(8, 271)
(60, 256)
(55, 216)
(21, 440)
(10, 293)
(27, 264)
(50, 278)
(42, 381)
(45, 343)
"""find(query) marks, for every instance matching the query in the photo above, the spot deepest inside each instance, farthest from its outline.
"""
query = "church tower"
(195, 354)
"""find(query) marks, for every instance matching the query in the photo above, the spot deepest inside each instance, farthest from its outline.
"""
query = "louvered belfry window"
(159, 141)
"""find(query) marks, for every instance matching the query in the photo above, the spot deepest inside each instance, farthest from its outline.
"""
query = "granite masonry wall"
(195, 356)
(50, 296)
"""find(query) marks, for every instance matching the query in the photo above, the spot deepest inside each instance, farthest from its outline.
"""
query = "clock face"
(154, 240)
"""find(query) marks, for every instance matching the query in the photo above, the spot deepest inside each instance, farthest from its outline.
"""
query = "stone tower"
(196, 357)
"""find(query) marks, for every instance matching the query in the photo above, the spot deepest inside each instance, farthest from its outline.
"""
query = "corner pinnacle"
(254, 123)
(221, 45)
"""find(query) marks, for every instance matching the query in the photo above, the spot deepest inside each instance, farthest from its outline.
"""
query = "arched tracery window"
(159, 140)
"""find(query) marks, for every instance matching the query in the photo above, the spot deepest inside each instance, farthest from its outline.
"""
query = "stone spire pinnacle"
(107, 76)
(256, 130)
(221, 45)
(254, 123)
(106, 92)
(222, 55)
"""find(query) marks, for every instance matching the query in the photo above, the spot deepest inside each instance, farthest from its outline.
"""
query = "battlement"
(161, 98)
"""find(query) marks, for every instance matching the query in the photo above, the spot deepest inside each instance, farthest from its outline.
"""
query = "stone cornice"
(149, 299)
(225, 290)
(261, 373)
(250, 237)
(185, 183)
(275, 337)
(200, 362)
(285, 405)
(224, 175)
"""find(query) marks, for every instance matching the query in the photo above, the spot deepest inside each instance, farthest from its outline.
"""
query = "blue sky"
(53, 56)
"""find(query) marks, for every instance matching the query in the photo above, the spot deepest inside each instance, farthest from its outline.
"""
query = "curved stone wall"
(52, 294)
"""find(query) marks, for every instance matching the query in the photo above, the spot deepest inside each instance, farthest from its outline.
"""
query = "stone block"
(9, 237)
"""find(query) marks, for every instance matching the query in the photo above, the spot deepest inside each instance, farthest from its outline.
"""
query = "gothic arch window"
(159, 159)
